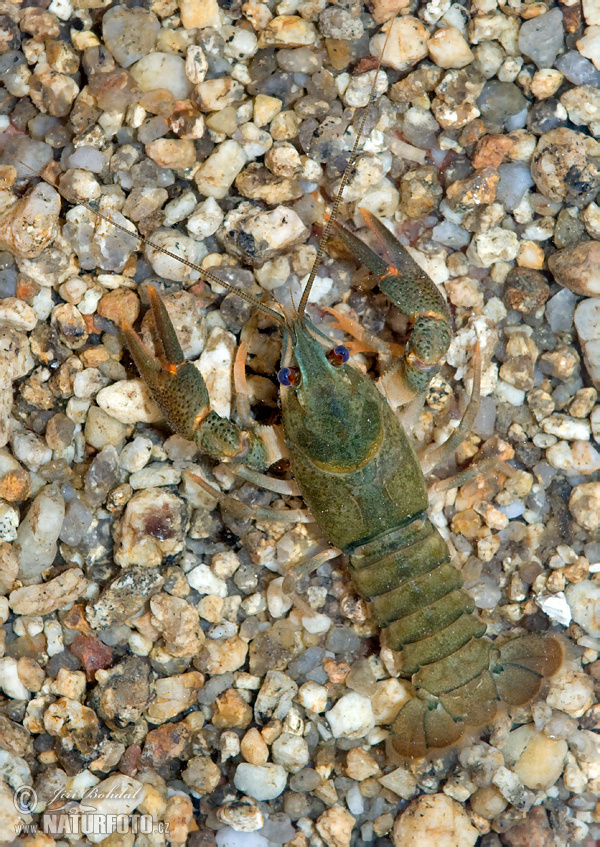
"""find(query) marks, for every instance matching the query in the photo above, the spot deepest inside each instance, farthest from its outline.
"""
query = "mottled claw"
(416, 295)
(179, 389)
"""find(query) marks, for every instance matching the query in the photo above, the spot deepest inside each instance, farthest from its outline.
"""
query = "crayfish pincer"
(362, 481)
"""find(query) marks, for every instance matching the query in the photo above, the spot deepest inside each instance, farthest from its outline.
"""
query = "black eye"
(289, 376)
(338, 356)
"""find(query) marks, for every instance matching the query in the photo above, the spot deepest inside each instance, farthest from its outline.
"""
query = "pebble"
(28, 226)
(162, 70)
(290, 751)
(216, 174)
(404, 47)
(257, 236)
(129, 33)
(542, 38)
(564, 166)
(576, 267)
(262, 782)
(223, 655)
(37, 536)
(286, 31)
(201, 774)
(401, 782)
(215, 365)
(577, 69)
(584, 505)
(43, 599)
(587, 324)
(335, 826)
(182, 247)
(584, 599)
(102, 430)
(571, 691)
(449, 49)
(152, 528)
(174, 694)
(351, 717)
(117, 795)
(199, 14)
(434, 820)
(538, 760)
(129, 401)
(124, 597)
(10, 682)
(589, 45)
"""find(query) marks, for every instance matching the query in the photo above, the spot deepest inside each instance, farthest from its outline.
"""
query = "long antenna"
(338, 198)
(207, 276)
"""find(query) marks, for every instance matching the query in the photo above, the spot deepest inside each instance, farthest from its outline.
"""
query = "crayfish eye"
(338, 356)
(289, 376)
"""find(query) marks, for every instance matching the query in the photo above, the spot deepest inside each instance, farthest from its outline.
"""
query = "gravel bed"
(151, 662)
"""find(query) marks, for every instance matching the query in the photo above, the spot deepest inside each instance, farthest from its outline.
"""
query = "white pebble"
(204, 581)
(351, 717)
(262, 782)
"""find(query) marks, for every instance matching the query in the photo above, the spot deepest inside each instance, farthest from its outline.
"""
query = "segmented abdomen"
(458, 674)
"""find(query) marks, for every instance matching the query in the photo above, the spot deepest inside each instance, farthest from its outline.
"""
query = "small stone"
(124, 597)
(525, 290)
(215, 176)
(542, 38)
(587, 323)
(584, 505)
(571, 691)
(313, 696)
(265, 108)
(202, 774)
(351, 716)
(499, 102)
(434, 820)
(262, 782)
(290, 751)
(43, 599)
(287, 30)
(37, 536)
(217, 94)
(102, 430)
(198, 14)
(153, 527)
(129, 33)
(30, 224)
(564, 166)
(162, 70)
(120, 306)
(257, 236)
(174, 694)
(129, 401)
(589, 44)
(576, 267)
(405, 46)
(230, 710)
(491, 150)
(335, 826)
(360, 764)
(388, 697)
(448, 48)
(179, 624)
(223, 655)
(538, 759)
(254, 748)
(545, 83)
(401, 782)
(584, 598)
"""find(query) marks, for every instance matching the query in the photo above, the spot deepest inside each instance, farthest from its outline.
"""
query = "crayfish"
(361, 479)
